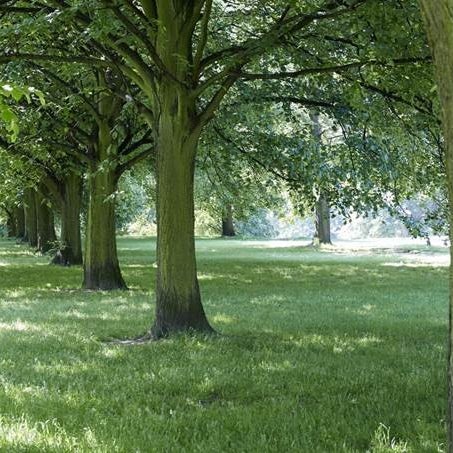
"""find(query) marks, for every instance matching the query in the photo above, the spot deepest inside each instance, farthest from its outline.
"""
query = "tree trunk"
(101, 267)
(178, 301)
(70, 253)
(322, 222)
(322, 207)
(227, 222)
(45, 224)
(20, 222)
(31, 224)
(439, 25)
(11, 230)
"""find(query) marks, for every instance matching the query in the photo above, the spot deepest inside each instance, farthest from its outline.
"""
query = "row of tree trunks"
(15, 222)
(45, 223)
(19, 216)
(38, 220)
(68, 196)
(33, 222)
(11, 224)
(31, 219)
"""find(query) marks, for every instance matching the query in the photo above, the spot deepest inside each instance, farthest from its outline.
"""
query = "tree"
(31, 220)
(227, 222)
(45, 220)
(174, 52)
(87, 127)
(17, 177)
(439, 26)
(322, 207)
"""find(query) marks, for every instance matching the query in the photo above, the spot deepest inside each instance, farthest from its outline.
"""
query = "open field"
(341, 349)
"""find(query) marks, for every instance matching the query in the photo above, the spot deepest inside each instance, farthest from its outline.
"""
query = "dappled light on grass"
(223, 319)
(22, 435)
(335, 343)
(430, 261)
(365, 310)
(273, 300)
(18, 326)
(15, 294)
(227, 278)
(304, 333)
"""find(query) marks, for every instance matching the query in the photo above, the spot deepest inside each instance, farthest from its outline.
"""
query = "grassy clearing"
(323, 351)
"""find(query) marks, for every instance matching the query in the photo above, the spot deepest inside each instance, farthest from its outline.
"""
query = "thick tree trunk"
(439, 25)
(227, 222)
(177, 127)
(45, 224)
(31, 223)
(70, 253)
(20, 222)
(322, 222)
(101, 267)
(178, 301)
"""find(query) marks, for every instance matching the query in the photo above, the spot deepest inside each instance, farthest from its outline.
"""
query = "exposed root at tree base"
(151, 336)
(142, 339)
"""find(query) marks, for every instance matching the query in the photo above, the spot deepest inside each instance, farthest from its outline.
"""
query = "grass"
(322, 351)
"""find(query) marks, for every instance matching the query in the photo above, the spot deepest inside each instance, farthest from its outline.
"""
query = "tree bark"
(177, 131)
(20, 222)
(31, 224)
(178, 301)
(11, 230)
(438, 17)
(322, 222)
(70, 253)
(227, 222)
(322, 207)
(101, 267)
(45, 224)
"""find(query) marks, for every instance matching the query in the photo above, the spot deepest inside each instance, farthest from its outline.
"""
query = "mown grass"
(320, 352)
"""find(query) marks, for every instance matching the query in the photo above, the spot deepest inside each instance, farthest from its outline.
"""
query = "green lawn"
(320, 351)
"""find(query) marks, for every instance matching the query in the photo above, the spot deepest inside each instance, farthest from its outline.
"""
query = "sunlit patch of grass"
(320, 351)
(18, 326)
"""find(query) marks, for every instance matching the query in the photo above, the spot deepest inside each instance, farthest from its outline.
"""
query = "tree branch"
(203, 37)
(333, 68)
(252, 158)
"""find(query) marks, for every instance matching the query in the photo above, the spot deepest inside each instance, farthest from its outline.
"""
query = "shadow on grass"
(316, 354)
(81, 385)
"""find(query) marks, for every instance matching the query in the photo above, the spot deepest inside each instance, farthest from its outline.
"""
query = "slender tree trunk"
(439, 24)
(322, 222)
(31, 223)
(227, 222)
(20, 222)
(70, 253)
(322, 207)
(45, 224)
(101, 267)
(178, 301)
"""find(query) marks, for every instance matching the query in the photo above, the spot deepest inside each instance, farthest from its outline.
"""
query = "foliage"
(259, 224)
(8, 114)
